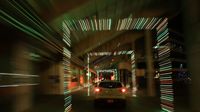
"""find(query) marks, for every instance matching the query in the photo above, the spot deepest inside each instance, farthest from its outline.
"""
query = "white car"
(110, 92)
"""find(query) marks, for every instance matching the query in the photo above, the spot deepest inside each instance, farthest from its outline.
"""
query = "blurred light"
(133, 23)
(67, 77)
(123, 90)
(110, 53)
(88, 25)
(92, 24)
(17, 85)
(97, 89)
(149, 26)
(110, 24)
(66, 52)
(96, 25)
(139, 23)
(122, 24)
(165, 67)
(113, 77)
(118, 24)
(155, 24)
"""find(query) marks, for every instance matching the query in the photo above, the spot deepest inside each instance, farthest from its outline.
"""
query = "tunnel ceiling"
(54, 12)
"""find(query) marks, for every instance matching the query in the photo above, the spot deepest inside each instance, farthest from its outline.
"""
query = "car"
(110, 92)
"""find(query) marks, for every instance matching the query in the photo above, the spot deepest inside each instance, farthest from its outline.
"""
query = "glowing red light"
(97, 89)
(123, 90)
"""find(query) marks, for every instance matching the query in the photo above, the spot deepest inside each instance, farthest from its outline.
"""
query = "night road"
(81, 102)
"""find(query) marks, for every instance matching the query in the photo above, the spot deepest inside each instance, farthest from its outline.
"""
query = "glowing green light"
(70, 25)
(140, 22)
(144, 23)
(166, 110)
(164, 37)
(84, 25)
(80, 23)
(136, 24)
(76, 27)
(167, 98)
(163, 33)
(21, 26)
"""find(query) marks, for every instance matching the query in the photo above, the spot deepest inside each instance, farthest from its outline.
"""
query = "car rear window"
(110, 85)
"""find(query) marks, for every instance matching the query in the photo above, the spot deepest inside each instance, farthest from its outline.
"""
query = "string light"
(165, 64)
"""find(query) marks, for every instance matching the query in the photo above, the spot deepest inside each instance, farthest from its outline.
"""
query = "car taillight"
(97, 89)
(123, 90)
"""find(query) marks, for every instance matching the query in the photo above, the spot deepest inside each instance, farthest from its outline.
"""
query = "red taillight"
(123, 90)
(97, 89)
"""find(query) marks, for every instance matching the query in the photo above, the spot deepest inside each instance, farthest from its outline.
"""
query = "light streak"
(18, 85)
(145, 23)
(157, 22)
(118, 24)
(110, 24)
(150, 23)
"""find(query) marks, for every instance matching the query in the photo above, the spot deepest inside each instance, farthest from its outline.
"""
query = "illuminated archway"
(160, 24)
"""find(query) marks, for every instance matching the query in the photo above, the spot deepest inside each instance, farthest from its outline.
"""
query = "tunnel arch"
(130, 23)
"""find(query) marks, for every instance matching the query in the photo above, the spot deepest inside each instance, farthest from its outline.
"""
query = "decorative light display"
(137, 23)
(40, 31)
(160, 24)
(114, 71)
(66, 34)
(67, 79)
(107, 70)
(110, 53)
(66, 52)
(88, 74)
(89, 25)
(133, 67)
(30, 23)
(106, 24)
(165, 67)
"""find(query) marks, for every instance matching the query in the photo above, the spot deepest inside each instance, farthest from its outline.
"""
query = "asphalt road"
(82, 101)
